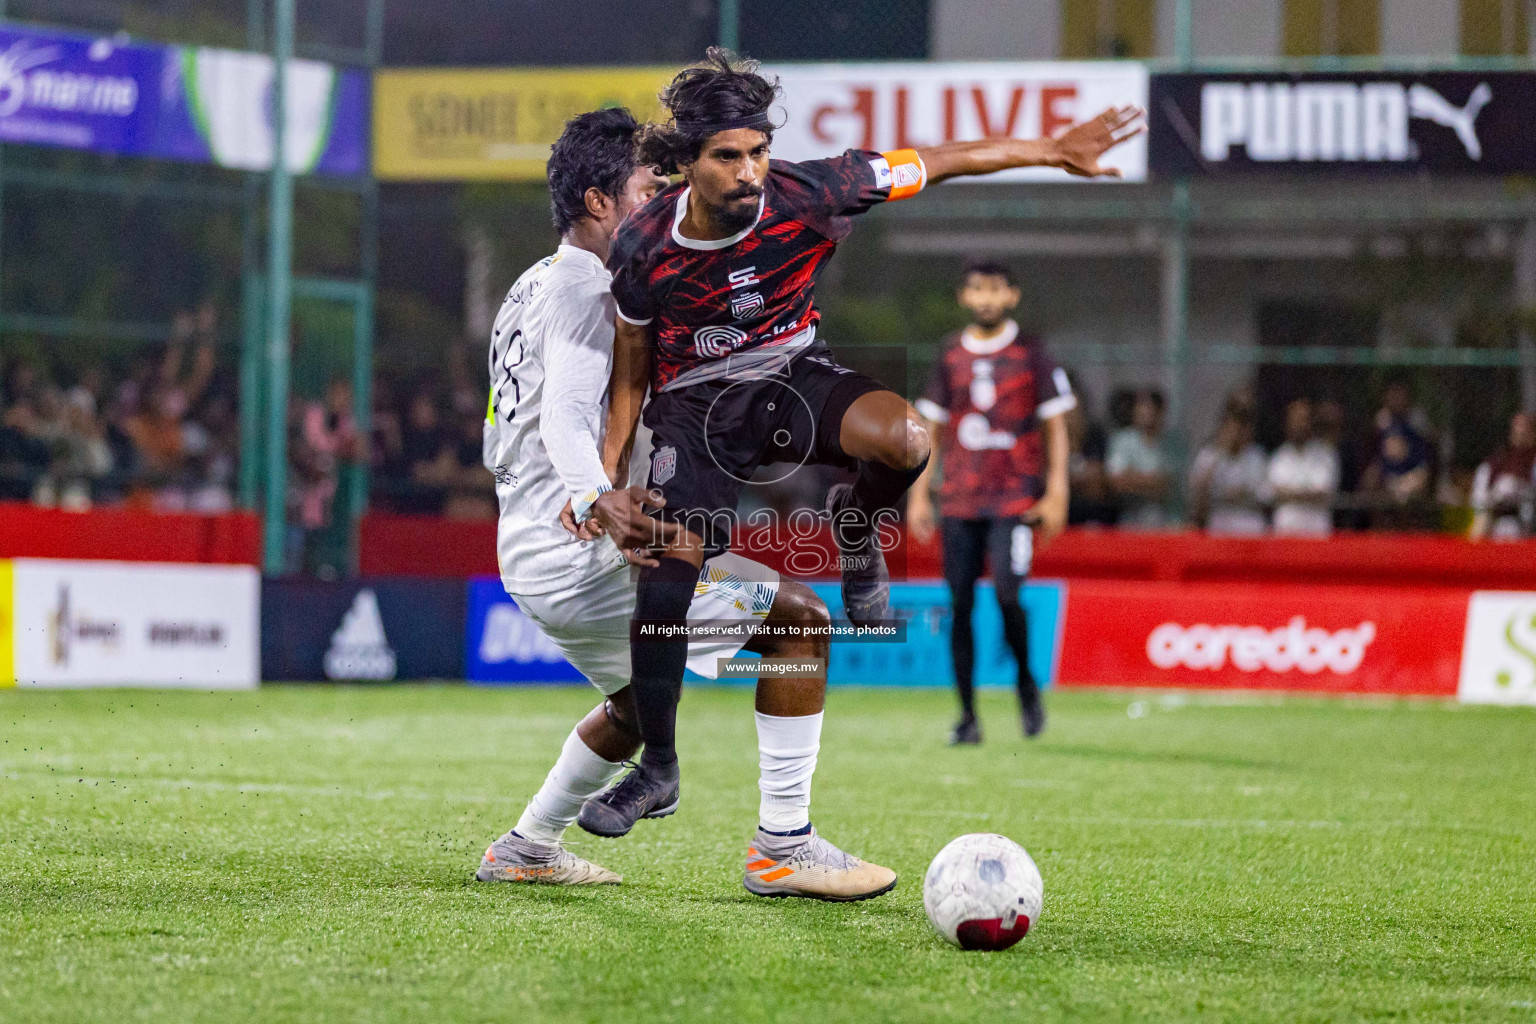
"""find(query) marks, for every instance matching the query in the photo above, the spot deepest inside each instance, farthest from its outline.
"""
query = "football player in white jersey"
(550, 362)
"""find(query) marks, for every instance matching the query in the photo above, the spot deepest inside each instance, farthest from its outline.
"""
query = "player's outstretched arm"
(1076, 151)
(626, 394)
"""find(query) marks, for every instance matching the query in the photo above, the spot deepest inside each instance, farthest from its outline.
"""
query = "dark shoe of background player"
(967, 731)
(643, 793)
(1034, 715)
(866, 582)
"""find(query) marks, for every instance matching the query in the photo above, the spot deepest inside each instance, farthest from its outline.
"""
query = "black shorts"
(710, 438)
(1009, 544)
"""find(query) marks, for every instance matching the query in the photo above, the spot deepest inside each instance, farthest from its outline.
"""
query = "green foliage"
(306, 854)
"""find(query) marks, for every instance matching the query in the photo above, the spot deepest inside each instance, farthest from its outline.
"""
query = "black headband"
(704, 129)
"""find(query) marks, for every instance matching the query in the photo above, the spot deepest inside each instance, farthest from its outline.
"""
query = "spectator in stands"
(80, 453)
(1329, 426)
(1091, 501)
(1303, 477)
(160, 445)
(1503, 490)
(428, 451)
(213, 456)
(1229, 481)
(1137, 465)
(323, 437)
(1397, 482)
(471, 489)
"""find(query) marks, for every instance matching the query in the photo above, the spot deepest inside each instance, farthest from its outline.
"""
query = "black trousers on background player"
(968, 544)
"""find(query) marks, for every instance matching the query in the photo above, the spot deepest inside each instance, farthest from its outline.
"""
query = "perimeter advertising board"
(828, 108)
(369, 628)
(1498, 657)
(499, 124)
(197, 104)
(454, 125)
(923, 659)
(1328, 639)
(502, 645)
(133, 624)
(1445, 121)
(7, 627)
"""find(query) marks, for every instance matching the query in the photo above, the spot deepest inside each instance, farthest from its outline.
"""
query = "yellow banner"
(7, 626)
(433, 125)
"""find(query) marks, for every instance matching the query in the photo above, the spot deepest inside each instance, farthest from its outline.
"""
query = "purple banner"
(77, 92)
(199, 105)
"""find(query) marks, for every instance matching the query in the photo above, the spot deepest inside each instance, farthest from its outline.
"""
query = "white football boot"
(515, 859)
(810, 866)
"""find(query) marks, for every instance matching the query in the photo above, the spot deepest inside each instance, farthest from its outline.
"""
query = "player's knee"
(1008, 602)
(809, 622)
(919, 444)
(906, 444)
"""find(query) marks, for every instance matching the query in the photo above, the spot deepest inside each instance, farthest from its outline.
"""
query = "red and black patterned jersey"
(739, 307)
(992, 395)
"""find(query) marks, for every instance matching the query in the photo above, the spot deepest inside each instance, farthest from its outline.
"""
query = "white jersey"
(551, 355)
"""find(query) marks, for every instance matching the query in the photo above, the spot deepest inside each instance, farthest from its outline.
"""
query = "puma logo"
(1426, 103)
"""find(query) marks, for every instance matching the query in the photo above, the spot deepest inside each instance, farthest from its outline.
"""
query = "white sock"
(786, 753)
(578, 775)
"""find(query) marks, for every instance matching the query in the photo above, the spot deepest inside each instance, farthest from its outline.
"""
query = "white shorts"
(590, 622)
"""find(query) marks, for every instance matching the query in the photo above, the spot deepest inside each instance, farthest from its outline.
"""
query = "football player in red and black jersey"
(999, 403)
(714, 281)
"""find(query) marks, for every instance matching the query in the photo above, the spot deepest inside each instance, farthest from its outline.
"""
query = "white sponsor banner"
(884, 107)
(136, 624)
(1498, 655)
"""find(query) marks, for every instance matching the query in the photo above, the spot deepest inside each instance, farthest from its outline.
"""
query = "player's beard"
(735, 215)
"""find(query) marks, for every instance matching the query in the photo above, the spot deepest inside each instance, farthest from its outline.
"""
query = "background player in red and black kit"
(1000, 403)
(714, 280)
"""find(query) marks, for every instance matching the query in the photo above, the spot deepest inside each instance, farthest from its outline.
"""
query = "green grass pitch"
(306, 854)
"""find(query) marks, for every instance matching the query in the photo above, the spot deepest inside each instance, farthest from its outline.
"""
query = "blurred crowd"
(1317, 479)
(163, 435)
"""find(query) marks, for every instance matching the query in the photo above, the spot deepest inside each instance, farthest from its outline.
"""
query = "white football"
(983, 892)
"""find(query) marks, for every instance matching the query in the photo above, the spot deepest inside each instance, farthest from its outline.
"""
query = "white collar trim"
(564, 248)
(717, 243)
(989, 346)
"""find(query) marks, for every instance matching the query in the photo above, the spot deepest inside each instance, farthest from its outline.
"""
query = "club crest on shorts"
(746, 304)
(663, 464)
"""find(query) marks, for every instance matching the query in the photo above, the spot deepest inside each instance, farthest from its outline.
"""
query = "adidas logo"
(359, 649)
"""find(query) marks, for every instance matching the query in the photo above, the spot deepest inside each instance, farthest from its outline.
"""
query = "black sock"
(878, 487)
(1016, 632)
(962, 649)
(656, 665)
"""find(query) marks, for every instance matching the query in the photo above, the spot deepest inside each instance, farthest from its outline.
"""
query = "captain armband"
(901, 171)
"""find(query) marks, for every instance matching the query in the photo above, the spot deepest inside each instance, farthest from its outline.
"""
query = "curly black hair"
(596, 150)
(722, 89)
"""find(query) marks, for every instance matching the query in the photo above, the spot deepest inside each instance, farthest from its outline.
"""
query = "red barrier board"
(1305, 638)
(127, 535)
(432, 546)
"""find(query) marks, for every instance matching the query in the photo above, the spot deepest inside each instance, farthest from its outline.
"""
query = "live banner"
(500, 124)
(1449, 122)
